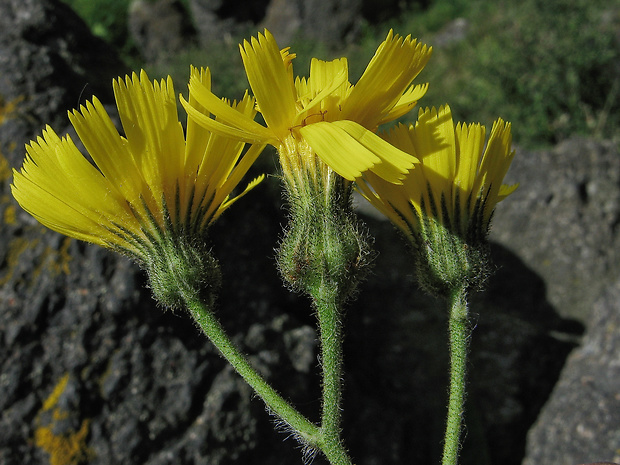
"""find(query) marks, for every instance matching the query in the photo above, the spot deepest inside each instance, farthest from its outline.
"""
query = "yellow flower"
(458, 181)
(152, 185)
(324, 115)
(445, 203)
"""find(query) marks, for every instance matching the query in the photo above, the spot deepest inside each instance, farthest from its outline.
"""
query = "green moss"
(106, 18)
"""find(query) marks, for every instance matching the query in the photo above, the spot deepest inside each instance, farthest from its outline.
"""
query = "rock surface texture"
(159, 29)
(92, 371)
(579, 419)
(332, 22)
(329, 21)
(563, 223)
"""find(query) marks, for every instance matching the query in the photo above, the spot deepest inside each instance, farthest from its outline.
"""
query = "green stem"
(326, 303)
(459, 334)
(307, 431)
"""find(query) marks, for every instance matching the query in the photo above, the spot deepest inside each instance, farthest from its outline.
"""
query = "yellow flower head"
(323, 115)
(458, 181)
(445, 203)
(152, 185)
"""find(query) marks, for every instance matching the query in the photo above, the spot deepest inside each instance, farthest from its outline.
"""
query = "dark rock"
(563, 223)
(377, 12)
(51, 62)
(220, 20)
(396, 362)
(146, 383)
(331, 22)
(159, 29)
(328, 21)
(581, 421)
(563, 220)
(301, 346)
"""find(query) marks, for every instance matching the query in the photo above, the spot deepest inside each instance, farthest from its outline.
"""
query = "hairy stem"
(308, 432)
(331, 361)
(458, 334)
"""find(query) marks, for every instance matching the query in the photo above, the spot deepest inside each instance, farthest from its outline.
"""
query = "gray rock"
(328, 21)
(51, 62)
(563, 220)
(138, 376)
(159, 29)
(220, 20)
(581, 421)
(284, 19)
(331, 22)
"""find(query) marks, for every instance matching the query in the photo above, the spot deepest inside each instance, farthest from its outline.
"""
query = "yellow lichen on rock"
(8, 108)
(64, 448)
(9, 216)
(6, 111)
(52, 399)
(50, 260)
(5, 169)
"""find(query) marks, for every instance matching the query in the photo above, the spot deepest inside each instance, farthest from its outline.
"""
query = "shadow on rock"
(396, 360)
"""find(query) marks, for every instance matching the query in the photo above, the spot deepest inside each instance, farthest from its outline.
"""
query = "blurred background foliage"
(551, 67)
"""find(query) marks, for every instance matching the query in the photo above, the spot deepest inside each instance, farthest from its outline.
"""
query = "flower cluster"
(152, 192)
(324, 129)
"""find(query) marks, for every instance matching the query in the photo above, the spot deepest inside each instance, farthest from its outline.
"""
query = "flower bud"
(178, 269)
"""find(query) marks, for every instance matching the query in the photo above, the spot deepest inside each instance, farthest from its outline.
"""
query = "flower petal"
(327, 78)
(233, 123)
(148, 112)
(390, 199)
(406, 103)
(395, 64)
(395, 163)
(197, 136)
(107, 148)
(339, 150)
(237, 173)
(271, 82)
(505, 190)
(53, 172)
(229, 201)
(350, 150)
(495, 163)
(434, 141)
(469, 144)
